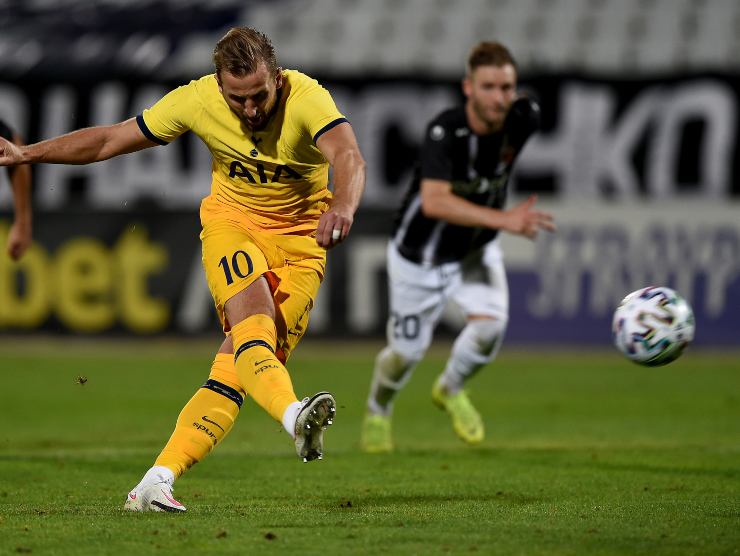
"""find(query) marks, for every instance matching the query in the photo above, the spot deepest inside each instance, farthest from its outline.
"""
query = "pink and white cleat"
(156, 497)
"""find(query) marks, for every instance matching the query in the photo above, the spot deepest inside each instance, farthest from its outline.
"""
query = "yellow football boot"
(466, 420)
(376, 435)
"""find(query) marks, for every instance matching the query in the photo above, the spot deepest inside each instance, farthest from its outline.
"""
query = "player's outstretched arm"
(439, 202)
(83, 146)
(339, 146)
(20, 235)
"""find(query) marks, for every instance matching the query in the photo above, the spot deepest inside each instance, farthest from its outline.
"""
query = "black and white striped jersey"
(477, 166)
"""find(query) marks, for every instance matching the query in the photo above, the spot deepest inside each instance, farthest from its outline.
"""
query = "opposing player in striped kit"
(445, 247)
(266, 225)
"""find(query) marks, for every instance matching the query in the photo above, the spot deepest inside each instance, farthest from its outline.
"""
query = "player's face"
(490, 91)
(251, 97)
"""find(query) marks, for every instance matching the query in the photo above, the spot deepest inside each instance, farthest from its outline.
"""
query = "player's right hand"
(10, 153)
(19, 240)
(524, 220)
(334, 225)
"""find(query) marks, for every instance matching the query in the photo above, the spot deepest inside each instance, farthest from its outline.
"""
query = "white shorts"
(418, 295)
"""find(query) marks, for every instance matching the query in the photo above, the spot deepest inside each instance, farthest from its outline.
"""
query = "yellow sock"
(206, 419)
(261, 374)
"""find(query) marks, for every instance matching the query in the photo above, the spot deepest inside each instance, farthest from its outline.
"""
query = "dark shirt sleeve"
(436, 153)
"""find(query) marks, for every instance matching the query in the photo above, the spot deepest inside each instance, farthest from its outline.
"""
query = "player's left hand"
(524, 220)
(334, 226)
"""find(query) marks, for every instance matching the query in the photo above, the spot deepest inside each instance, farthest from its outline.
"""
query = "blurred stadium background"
(638, 157)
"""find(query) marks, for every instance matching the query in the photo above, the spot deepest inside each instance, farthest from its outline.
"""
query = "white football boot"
(153, 494)
(316, 414)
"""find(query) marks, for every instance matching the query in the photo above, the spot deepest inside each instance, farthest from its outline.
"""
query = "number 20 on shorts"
(405, 326)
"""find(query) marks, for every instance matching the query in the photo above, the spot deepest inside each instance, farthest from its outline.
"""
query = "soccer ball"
(653, 326)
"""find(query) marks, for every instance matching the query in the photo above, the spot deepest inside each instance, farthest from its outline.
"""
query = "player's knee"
(410, 348)
(394, 368)
(255, 299)
(487, 334)
(405, 353)
(393, 361)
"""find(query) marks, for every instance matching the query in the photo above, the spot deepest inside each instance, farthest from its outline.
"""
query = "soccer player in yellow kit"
(265, 229)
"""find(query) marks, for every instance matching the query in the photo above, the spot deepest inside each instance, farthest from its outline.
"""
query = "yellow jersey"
(276, 176)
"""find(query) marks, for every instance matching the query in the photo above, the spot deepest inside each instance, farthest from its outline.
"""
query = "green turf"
(585, 454)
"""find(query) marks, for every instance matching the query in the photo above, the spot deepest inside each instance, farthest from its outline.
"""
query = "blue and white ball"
(653, 326)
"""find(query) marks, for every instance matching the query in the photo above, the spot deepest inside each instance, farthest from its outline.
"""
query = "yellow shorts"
(236, 253)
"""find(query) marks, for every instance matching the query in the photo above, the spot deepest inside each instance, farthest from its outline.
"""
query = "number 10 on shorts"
(239, 262)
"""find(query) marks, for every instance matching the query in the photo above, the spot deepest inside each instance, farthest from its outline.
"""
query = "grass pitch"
(585, 454)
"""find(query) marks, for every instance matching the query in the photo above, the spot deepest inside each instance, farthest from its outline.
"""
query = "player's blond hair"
(489, 54)
(242, 50)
